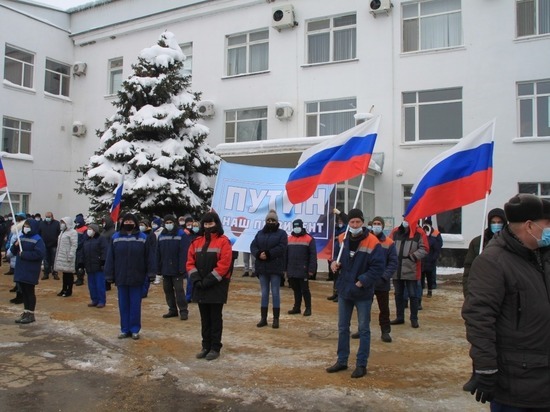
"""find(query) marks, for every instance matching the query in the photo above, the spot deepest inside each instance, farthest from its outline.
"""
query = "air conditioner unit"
(380, 6)
(283, 111)
(79, 68)
(206, 108)
(282, 17)
(79, 129)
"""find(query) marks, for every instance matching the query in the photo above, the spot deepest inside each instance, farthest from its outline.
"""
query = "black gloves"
(209, 281)
(483, 385)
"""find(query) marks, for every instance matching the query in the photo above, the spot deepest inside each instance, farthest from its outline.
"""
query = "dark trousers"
(400, 287)
(29, 297)
(429, 278)
(211, 325)
(300, 287)
(49, 258)
(175, 294)
(68, 282)
(383, 299)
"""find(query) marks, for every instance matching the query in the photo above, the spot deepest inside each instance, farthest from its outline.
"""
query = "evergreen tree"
(154, 141)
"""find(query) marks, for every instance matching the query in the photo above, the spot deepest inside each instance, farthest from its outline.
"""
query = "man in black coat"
(49, 231)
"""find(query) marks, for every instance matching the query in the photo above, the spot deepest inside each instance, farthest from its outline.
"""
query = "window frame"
(422, 19)
(187, 64)
(236, 121)
(19, 132)
(111, 72)
(332, 31)
(536, 19)
(536, 98)
(249, 47)
(23, 64)
(542, 189)
(19, 201)
(417, 105)
(319, 113)
(64, 78)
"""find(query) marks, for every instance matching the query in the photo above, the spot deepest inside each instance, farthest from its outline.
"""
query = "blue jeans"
(400, 287)
(129, 307)
(96, 286)
(273, 281)
(345, 310)
(499, 407)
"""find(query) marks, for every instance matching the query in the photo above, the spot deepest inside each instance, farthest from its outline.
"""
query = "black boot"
(276, 313)
(79, 277)
(68, 279)
(386, 329)
(18, 299)
(263, 319)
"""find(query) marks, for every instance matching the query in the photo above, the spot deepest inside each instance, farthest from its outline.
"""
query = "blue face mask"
(369, 227)
(195, 229)
(297, 230)
(405, 224)
(496, 227)
(355, 231)
(544, 241)
(377, 230)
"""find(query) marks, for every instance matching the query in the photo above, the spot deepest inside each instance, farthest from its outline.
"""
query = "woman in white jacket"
(65, 257)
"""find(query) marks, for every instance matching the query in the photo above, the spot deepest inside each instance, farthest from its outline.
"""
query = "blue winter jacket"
(301, 256)
(274, 244)
(391, 262)
(131, 257)
(366, 266)
(172, 248)
(94, 253)
(29, 260)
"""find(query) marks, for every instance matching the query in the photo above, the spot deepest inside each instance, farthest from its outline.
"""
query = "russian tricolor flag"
(3, 180)
(341, 158)
(457, 177)
(115, 208)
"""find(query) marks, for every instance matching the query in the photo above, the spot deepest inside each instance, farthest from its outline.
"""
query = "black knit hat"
(130, 216)
(355, 213)
(170, 218)
(496, 212)
(298, 223)
(524, 207)
(379, 219)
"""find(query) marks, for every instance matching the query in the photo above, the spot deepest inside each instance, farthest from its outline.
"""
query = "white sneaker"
(157, 280)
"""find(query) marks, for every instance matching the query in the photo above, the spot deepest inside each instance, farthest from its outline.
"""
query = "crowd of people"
(506, 281)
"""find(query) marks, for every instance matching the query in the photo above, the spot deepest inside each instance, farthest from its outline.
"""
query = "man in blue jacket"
(172, 247)
(130, 258)
(361, 265)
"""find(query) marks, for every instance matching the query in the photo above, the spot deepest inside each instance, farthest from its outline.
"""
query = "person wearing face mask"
(507, 312)
(193, 230)
(94, 253)
(429, 262)
(49, 231)
(29, 250)
(361, 266)
(157, 226)
(65, 256)
(300, 264)
(172, 247)
(108, 230)
(496, 220)
(145, 228)
(269, 248)
(208, 264)
(383, 285)
(412, 246)
(130, 259)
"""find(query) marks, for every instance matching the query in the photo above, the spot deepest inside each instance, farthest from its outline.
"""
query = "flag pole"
(13, 214)
(483, 222)
(354, 206)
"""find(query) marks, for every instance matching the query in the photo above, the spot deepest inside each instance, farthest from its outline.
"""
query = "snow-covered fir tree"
(153, 141)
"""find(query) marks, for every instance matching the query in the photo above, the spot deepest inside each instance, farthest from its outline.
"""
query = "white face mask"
(90, 233)
(297, 230)
(355, 231)
(142, 228)
(169, 226)
(63, 226)
(26, 230)
(377, 230)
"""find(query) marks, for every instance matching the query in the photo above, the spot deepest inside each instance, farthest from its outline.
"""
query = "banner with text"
(244, 194)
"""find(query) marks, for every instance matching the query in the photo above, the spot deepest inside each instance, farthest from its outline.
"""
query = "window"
(432, 114)
(433, 24)
(346, 192)
(247, 53)
(538, 189)
(18, 67)
(115, 75)
(533, 17)
(16, 136)
(449, 222)
(20, 202)
(246, 125)
(332, 39)
(534, 108)
(187, 69)
(330, 117)
(57, 78)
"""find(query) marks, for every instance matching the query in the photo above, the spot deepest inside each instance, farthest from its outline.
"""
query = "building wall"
(486, 67)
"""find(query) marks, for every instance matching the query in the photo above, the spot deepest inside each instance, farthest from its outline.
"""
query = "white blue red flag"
(455, 178)
(115, 208)
(3, 180)
(341, 158)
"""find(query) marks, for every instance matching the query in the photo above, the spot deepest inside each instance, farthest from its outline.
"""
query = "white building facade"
(434, 70)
